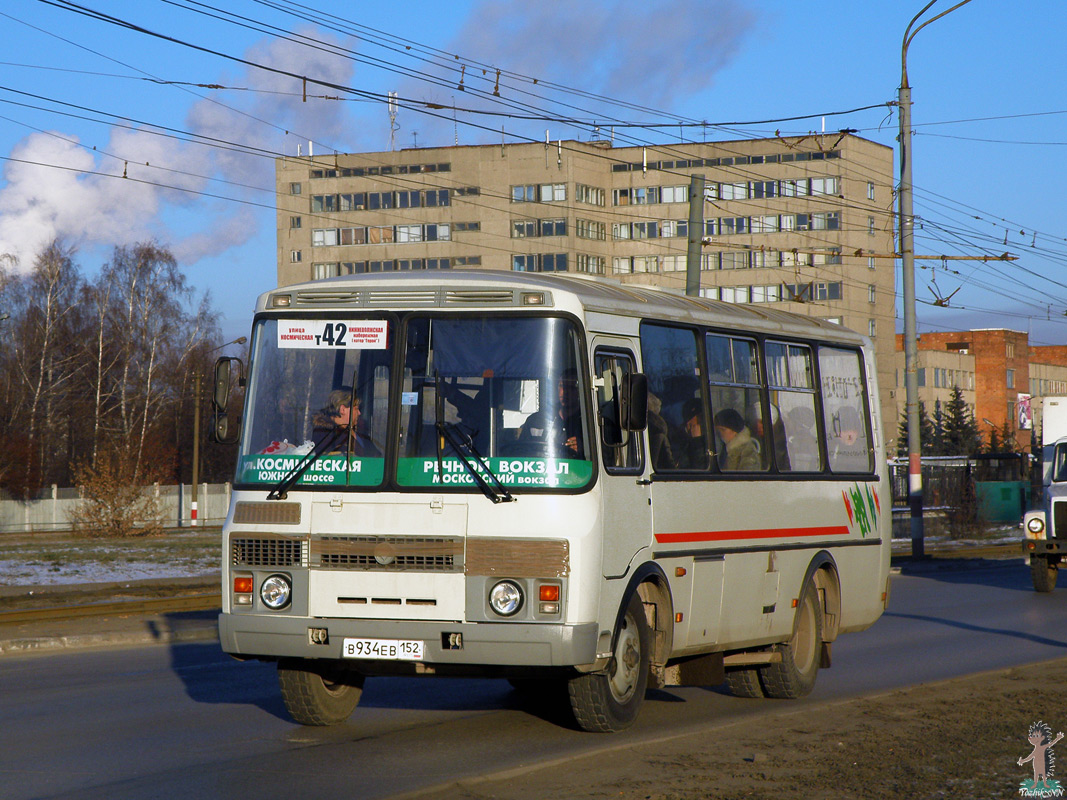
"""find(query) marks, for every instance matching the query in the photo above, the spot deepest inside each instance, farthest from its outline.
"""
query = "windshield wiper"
(283, 486)
(450, 432)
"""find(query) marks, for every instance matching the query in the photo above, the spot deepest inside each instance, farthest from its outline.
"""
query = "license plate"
(383, 649)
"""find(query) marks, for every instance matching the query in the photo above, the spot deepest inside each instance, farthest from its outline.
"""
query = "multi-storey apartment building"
(803, 223)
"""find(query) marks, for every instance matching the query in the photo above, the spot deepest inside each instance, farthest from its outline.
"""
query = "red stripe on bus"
(772, 533)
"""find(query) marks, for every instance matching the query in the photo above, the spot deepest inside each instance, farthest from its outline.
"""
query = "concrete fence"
(51, 510)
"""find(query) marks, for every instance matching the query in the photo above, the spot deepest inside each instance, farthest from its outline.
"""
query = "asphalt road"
(183, 719)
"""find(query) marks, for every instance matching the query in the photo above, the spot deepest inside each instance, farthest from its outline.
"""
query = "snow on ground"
(20, 573)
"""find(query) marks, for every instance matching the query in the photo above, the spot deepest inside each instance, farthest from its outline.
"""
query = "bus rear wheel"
(744, 682)
(318, 693)
(607, 702)
(1043, 572)
(794, 676)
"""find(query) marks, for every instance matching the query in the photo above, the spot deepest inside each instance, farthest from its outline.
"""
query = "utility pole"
(696, 236)
(907, 255)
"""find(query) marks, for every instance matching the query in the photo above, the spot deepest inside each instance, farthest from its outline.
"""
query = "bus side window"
(676, 409)
(792, 384)
(742, 442)
(844, 404)
(620, 448)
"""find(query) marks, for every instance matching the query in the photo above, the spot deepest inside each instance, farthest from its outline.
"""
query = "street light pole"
(907, 254)
(196, 430)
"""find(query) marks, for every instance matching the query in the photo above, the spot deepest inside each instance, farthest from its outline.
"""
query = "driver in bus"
(341, 412)
(564, 428)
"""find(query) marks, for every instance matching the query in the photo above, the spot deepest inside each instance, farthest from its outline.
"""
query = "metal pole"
(911, 372)
(907, 255)
(696, 235)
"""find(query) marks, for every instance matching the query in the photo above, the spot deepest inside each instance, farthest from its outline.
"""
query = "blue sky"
(987, 79)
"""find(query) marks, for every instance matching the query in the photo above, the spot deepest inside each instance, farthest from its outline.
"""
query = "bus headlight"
(276, 592)
(505, 598)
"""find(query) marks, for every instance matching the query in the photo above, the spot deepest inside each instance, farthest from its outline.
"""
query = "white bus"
(576, 485)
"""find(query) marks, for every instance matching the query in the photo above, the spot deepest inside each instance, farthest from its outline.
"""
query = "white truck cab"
(1045, 528)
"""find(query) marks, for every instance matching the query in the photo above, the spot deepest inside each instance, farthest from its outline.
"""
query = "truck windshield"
(1059, 465)
(318, 382)
(513, 391)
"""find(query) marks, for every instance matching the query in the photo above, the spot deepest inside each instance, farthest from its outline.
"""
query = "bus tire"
(318, 693)
(794, 676)
(608, 702)
(744, 682)
(1043, 572)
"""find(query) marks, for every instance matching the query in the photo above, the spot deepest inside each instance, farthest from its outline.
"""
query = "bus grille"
(266, 552)
(387, 553)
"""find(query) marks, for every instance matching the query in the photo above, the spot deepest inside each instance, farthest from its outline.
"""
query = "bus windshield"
(317, 385)
(510, 388)
(479, 399)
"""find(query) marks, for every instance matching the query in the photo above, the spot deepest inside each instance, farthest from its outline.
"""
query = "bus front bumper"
(475, 644)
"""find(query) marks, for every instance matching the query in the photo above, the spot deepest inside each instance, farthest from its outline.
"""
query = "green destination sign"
(334, 470)
(514, 473)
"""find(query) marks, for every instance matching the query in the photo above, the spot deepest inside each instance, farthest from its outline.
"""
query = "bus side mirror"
(634, 397)
(225, 366)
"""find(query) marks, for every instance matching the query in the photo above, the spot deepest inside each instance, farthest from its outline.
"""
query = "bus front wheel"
(606, 702)
(794, 675)
(318, 693)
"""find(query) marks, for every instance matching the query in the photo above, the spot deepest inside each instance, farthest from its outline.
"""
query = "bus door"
(624, 482)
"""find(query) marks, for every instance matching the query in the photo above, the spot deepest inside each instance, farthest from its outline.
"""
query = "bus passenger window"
(741, 440)
(844, 396)
(677, 419)
(791, 379)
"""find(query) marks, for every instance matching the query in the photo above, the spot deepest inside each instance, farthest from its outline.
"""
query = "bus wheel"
(1043, 572)
(744, 682)
(610, 701)
(318, 693)
(794, 676)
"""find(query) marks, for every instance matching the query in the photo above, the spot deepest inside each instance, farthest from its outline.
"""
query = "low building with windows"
(1003, 378)
(805, 223)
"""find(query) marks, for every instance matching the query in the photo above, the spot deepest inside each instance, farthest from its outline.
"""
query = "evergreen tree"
(962, 435)
(926, 432)
(937, 438)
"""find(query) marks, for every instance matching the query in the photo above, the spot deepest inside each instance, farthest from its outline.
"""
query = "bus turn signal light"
(549, 593)
(242, 585)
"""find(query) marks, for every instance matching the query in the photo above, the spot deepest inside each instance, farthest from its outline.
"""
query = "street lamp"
(907, 255)
(196, 428)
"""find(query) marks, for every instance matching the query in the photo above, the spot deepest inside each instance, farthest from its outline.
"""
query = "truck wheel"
(794, 676)
(1043, 572)
(610, 701)
(744, 682)
(318, 693)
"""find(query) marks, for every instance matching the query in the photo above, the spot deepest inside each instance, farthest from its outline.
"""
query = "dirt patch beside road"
(954, 739)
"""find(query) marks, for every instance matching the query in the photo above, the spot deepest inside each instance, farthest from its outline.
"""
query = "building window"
(294, 188)
(1010, 378)
(295, 256)
(870, 294)
(592, 195)
(870, 262)
(870, 190)
(553, 227)
(1009, 349)
(675, 194)
(294, 222)
(870, 226)
(590, 229)
(320, 271)
(871, 328)
(590, 264)
(553, 192)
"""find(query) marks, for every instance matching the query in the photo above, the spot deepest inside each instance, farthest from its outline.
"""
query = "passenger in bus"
(776, 433)
(659, 443)
(739, 453)
(342, 413)
(694, 450)
(563, 428)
